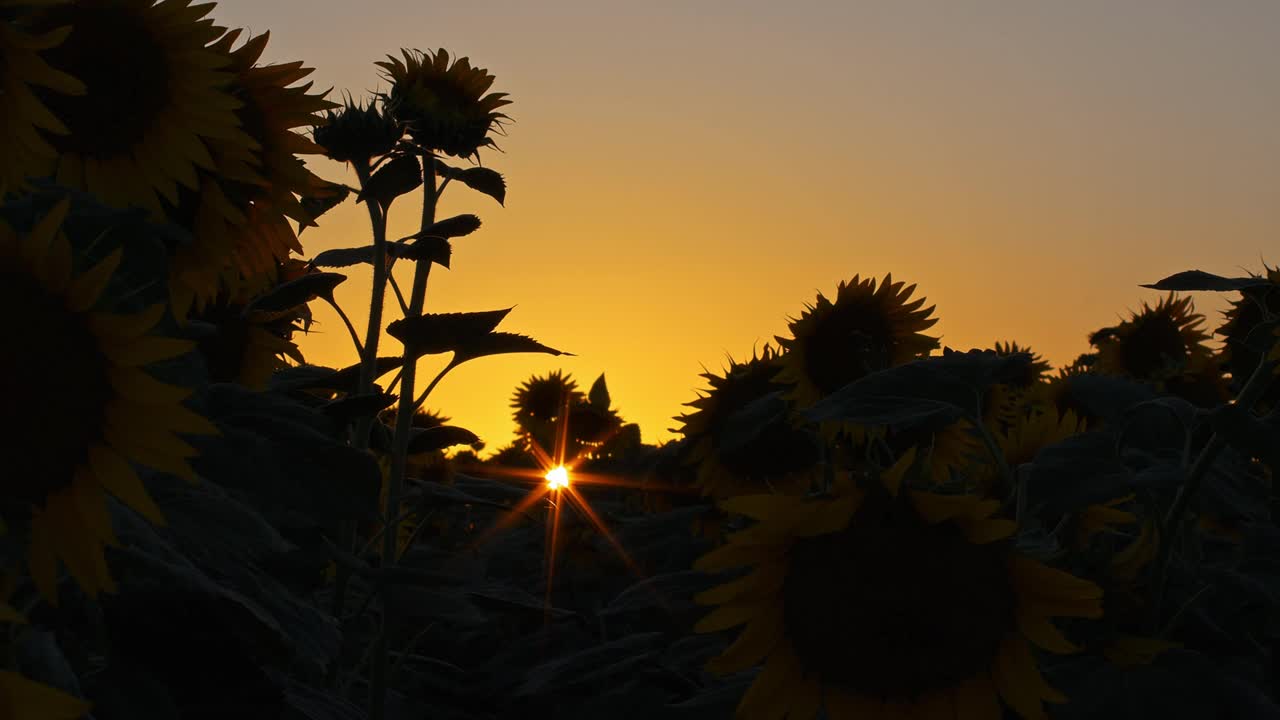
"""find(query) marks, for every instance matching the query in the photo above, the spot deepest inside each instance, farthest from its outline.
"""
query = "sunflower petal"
(118, 478)
(36, 700)
(85, 289)
(756, 641)
(1019, 680)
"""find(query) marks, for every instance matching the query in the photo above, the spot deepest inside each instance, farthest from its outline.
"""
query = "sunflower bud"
(358, 133)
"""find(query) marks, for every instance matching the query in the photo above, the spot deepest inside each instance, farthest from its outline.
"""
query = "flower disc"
(443, 104)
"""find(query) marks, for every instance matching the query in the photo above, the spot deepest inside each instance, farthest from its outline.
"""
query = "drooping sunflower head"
(1154, 344)
(779, 455)
(1035, 370)
(80, 403)
(883, 601)
(247, 348)
(443, 104)
(1035, 430)
(357, 133)
(24, 119)
(866, 329)
(156, 94)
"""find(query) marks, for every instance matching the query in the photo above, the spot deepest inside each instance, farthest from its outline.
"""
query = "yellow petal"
(118, 477)
(1041, 631)
(987, 531)
(1019, 681)
(768, 696)
(727, 616)
(976, 699)
(1035, 579)
(757, 640)
(34, 700)
(764, 581)
(146, 350)
(734, 555)
(829, 516)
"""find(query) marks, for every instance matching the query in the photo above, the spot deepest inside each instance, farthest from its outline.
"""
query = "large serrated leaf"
(344, 380)
(598, 396)
(325, 198)
(436, 333)
(402, 174)
(501, 343)
(452, 227)
(484, 180)
(1193, 280)
(297, 292)
(440, 438)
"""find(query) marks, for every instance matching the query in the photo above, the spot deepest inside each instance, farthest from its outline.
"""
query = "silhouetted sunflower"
(1155, 344)
(156, 93)
(25, 149)
(781, 456)
(866, 329)
(81, 404)
(884, 602)
(357, 133)
(239, 216)
(1240, 320)
(248, 348)
(540, 401)
(1032, 433)
(1003, 402)
(442, 104)
(951, 448)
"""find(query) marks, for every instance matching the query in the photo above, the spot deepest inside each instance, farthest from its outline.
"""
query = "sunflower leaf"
(355, 406)
(436, 333)
(296, 292)
(1193, 280)
(451, 227)
(319, 378)
(501, 343)
(487, 181)
(325, 198)
(430, 248)
(439, 438)
(402, 174)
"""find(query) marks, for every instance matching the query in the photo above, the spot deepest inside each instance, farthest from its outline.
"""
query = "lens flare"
(558, 478)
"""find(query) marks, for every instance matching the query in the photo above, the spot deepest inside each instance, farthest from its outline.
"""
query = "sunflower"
(782, 456)
(1244, 315)
(442, 104)
(1003, 402)
(23, 699)
(239, 214)
(131, 148)
(247, 348)
(952, 447)
(865, 330)
(22, 116)
(81, 403)
(1156, 344)
(885, 602)
(358, 133)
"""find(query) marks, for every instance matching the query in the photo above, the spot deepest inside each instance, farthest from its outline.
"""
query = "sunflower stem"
(368, 362)
(404, 306)
(1171, 527)
(997, 455)
(400, 445)
(355, 337)
(432, 385)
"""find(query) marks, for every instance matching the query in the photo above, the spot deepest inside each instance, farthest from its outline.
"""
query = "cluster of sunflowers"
(165, 437)
(922, 535)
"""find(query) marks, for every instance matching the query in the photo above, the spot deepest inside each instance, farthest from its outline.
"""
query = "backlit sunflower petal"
(761, 582)
(172, 418)
(976, 699)
(757, 640)
(82, 556)
(142, 388)
(91, 504)
(734, 555)
(110, 327)
(120, 479)
(35, 700)
(1034, 578)
(727, 616)
(768, 697)
(1019, 681)
(1041, 631)
(85, 289)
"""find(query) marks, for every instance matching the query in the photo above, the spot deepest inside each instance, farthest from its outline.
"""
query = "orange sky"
(685, 175)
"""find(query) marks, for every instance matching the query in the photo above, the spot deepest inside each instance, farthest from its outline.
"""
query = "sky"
(684, 176)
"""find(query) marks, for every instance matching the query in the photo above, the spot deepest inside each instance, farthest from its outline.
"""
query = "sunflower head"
(1155, 344)
(1033, 431)
(132, 148)
(80, 403)
(443, 104)
(540, 401)
(866, 329)
(781, 455)
(357, 133)
(884, 599)
(1239, 357)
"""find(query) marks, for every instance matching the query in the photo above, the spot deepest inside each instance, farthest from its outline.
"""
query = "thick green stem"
(400, 445)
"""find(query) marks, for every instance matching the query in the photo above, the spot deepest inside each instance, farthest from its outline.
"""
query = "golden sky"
(683, 176)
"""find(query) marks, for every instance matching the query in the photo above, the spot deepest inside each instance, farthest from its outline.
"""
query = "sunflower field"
(855, 522)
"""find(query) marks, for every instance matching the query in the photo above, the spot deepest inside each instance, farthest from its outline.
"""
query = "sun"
(558, 478)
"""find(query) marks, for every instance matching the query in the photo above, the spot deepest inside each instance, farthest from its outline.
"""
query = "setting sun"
(558, 478)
